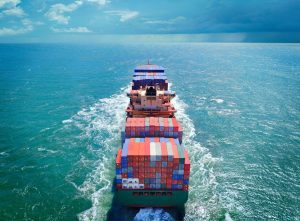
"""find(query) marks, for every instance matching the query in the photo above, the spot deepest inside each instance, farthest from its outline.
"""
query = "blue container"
(118, 171)
(119, 181)
(174, 186)
(124, 170)
(158, 175)
(130, 169)
(175, 177)
(186, 182)
(180, 177)
(164, 164)
(130, 175)
(152, 164)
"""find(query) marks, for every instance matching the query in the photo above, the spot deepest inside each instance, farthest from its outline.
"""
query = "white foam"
(149, 214)
(67, 121)
(106, 117)
(100, 124)
(41, 149)
(227, 217)
(4, 154)
(202, 178)
(218, 100)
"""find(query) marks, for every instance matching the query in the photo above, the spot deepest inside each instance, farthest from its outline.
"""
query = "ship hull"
(151, 198)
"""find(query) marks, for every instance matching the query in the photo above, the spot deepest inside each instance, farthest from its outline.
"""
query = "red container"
(172, 140)
(187, 163)
(175, 154)
(164, 152)
(186, 187)
(175, 124)
(141, 165)
(118, 158)
(152, 170)
(158, 164)
(142, 152)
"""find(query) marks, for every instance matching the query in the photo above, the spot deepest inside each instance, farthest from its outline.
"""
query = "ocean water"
(61, 107)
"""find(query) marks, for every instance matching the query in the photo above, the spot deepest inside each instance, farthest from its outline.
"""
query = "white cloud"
(72, 30)
(99, 2)
(9, 3)
(166, 22)
(56, 11)
(10, 8)
(125, 15)
(27, 27)
(15, 11)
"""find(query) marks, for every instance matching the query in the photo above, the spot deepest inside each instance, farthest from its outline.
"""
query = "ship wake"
(100, 126)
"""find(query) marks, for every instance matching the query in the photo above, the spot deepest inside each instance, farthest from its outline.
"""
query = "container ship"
(152, 167)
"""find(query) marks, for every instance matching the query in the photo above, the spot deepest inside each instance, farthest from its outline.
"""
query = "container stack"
(152, 127)
(152, 163)
(142, 81)
(149, 68)
(149, 75)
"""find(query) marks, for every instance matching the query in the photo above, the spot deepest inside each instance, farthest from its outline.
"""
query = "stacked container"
(152, 163)
(152, 127)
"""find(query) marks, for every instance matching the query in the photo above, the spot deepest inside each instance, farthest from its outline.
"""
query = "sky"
(180, 20)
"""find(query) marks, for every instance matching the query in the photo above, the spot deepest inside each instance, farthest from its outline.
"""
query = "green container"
(151, 198)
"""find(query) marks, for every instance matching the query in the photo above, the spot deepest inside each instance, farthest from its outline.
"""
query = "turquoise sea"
(62, 105)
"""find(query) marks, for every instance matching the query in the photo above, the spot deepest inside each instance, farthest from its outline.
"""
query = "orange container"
(136, 152)
(172, 140)
(118, 158)
(147, 152)
(166, 124)
(130, 152)
(141, 152)
(187, 163)
(164, 151)
(175, 124)
(175, 153)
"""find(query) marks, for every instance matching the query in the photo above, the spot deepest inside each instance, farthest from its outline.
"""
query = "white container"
(124, 180)
(135, 180)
